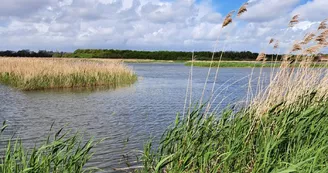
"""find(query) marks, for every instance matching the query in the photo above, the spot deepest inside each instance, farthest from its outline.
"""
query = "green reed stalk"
(61, 153)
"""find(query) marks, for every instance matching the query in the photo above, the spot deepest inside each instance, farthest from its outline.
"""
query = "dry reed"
(308, 37)
(261, 57)
(228, 19)
(323, 25)
(44, 73)
(242, 9)
(276, 45)
(294, 20)
(289, 84)
(296, 47)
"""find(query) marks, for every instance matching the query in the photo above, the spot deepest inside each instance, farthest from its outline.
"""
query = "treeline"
(26, 53)
(133, 54)
(161, 55)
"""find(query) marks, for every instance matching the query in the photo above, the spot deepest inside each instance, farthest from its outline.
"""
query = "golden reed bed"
(45, 73)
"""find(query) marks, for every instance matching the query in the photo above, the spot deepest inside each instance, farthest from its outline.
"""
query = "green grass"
(151, 61)
(61, 153)
(243, 64)
(231, 64)
(285, 139)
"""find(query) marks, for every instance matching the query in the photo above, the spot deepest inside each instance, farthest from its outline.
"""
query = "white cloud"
(149, 24)
(315, 10)
(265, 10)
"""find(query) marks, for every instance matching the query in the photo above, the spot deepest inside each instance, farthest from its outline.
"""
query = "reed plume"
(261, 57)
(242, 9)
(296, 47)
(313, 49)
(228, 19)
(294, 20)
(308, 37)
(321, 39)
(276, 45)
(323, 25)
(325, 33)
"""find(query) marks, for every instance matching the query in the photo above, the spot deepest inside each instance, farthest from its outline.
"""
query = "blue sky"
(66, 25)
(225, 6)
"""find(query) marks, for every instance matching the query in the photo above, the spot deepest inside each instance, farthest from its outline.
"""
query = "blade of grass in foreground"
(62, 153)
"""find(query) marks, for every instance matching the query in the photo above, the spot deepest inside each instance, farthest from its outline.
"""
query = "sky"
(179, 25)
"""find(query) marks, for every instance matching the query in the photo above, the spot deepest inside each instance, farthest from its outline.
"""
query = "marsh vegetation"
(279, 127)
(41, 73)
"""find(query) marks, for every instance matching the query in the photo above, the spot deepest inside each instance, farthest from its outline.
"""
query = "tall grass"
(282, 128)
(287, 139)
(37, 73)
(61, 153)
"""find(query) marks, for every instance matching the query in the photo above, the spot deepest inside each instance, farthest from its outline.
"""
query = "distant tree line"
(133, 54)
(161, 55)
(26, 53)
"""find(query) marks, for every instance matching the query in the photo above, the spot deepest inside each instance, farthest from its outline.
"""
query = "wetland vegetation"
(278, 127)
(35, 74)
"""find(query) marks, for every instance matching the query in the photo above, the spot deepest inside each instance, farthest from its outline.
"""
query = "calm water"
(128, 116)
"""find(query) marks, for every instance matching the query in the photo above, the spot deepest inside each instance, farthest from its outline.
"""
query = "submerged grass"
(37, 73)
(61, 153)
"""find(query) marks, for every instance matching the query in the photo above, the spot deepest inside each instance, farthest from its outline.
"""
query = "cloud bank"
(66, 25)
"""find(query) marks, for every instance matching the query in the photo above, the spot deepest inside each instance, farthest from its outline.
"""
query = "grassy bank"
(36, 73)
(244, 64)
(149, 61)
(231, 64)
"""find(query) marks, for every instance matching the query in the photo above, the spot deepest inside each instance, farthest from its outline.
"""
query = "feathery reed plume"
(285, 57)
(276, 45)
(307, 38)
(294, 20)
(261, 57)
(323, 25)
(227, 20)
(271, 41)
(242, 9)
(313, 49)
(296, 47)
(321, 39)
(325, 33)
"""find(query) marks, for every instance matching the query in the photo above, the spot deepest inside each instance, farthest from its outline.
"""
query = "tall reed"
(40, 73)
(282, 129)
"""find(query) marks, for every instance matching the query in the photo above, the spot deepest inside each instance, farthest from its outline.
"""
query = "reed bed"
(281, 127)
(48, 73)
(62, 152)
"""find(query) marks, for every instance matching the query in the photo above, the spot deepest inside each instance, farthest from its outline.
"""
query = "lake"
(127, 116)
